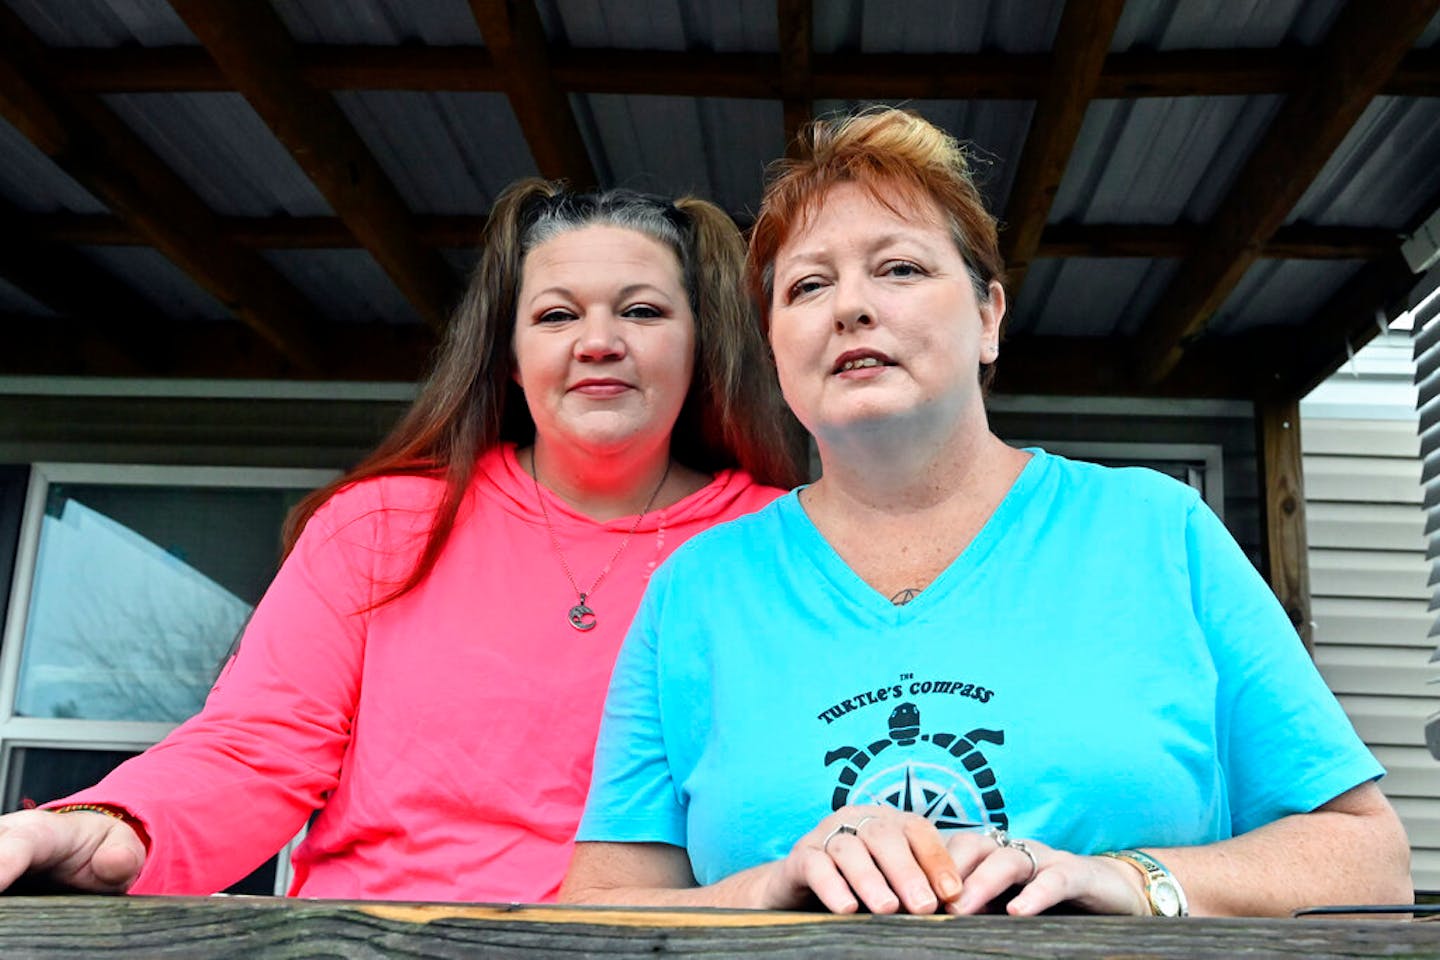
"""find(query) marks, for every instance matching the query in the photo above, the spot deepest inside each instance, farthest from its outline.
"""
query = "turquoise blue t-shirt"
(1101, 668)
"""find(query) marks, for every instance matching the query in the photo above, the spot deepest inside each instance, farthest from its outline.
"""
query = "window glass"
(139, 592)
(43, 774)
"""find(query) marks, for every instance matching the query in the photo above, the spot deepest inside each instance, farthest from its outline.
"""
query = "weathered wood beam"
(521, 56)
(80, 134)
(253, 48)
(1076, 58)
(1361, 51)
(83, 346)
(1282, 502)
(796, 22)
(113, 928)
(698, 73)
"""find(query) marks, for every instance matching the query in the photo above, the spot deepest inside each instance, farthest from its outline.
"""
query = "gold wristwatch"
(1167, 898)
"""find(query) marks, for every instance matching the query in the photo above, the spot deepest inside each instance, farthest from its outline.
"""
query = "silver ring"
(1001, 837)
(1034, 863)
(843, 828)
(862, 821)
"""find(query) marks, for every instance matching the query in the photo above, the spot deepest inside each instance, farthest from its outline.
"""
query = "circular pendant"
(582, 617)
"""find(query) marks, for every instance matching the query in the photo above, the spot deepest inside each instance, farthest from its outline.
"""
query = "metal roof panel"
(346, 286)
(379, 22)
(158, 280)
(445, 152)
(1159, 160)
(221, 148)
(103, 23)
(711, 146)
(1383, 171)
(1281, 293)
(32, 182)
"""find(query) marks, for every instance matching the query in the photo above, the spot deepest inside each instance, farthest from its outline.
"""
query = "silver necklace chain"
(581, 617)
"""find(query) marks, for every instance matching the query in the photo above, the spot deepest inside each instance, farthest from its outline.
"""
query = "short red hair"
(903, 161)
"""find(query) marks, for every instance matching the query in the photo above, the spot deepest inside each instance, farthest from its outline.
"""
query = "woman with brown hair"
(950, 668)
(426, 673)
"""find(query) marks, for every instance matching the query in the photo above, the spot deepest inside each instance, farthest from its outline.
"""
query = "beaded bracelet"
(111, 812)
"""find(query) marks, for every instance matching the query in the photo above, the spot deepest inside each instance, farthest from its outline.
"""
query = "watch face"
(1165, 898)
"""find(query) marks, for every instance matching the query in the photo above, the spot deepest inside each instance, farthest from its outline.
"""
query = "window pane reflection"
(138, 594)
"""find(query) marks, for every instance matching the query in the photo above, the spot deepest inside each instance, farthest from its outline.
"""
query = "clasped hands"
(893, 862)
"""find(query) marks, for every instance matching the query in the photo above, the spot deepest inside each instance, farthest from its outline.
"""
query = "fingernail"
(949, 886)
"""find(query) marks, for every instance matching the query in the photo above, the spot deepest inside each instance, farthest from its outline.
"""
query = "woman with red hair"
(951, 674)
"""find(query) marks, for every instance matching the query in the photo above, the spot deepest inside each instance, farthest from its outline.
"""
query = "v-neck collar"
(832, 567)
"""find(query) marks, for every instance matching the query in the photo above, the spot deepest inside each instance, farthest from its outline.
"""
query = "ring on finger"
(1034, 863)
(862, 821)
(842, 828)
(999, 835)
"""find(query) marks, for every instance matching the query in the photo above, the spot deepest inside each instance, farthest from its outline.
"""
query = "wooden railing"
(253, 928)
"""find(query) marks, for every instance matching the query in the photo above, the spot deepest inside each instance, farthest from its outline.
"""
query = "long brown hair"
(732, 416)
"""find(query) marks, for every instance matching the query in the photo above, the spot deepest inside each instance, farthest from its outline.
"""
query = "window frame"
(85, 734)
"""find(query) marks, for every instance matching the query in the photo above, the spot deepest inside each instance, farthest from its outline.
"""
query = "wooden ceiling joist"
(752, 76)
(86, 140)
(795, 20)
(253, 48)
(1078, 54)
(1359, 54)
(520, 54)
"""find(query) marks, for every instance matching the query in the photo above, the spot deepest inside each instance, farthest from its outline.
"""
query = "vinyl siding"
(1368, 581)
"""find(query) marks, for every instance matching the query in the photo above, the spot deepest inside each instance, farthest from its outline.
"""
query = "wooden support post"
(1285, 546)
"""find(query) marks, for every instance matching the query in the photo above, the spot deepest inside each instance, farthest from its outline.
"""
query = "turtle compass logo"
(942, 776)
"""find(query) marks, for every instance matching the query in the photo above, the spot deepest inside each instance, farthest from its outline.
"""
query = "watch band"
(1162, 890)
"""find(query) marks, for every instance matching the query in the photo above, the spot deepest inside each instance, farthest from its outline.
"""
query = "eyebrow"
(814, 255)
(624, 292)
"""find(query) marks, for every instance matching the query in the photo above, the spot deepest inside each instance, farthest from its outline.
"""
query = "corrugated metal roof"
(223, 151)
(711, 146)
(103, 23)
(159, 281)
(936, 26)
(379, 22)
(346, 286)
(1385, 167)
(30, 181)
(1223, 24)
(13, 300)
(445, 152)
(732, 27)
(1281, 292)
(1089, 297)
(1144, 161)
(1159, 160)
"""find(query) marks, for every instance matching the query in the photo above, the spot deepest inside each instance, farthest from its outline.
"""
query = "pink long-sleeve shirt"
(445, 737)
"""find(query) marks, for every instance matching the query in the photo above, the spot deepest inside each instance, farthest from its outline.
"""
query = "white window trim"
(79, 734)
